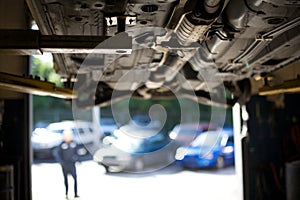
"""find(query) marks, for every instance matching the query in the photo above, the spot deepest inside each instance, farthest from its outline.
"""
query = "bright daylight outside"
(149, 99)
(130, 149)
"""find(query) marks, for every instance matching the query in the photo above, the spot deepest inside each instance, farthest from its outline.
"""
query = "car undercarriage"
(216, 52)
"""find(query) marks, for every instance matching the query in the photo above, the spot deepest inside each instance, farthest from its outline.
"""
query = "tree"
(45, 71)
(47, 108)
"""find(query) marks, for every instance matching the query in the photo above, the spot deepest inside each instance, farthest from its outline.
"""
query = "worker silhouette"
(66, 155)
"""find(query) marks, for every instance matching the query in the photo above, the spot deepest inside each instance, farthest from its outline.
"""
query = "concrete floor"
(169, 183)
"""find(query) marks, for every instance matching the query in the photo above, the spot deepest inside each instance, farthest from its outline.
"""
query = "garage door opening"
(169, 181)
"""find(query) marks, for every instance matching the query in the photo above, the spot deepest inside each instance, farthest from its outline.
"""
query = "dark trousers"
(70, 169)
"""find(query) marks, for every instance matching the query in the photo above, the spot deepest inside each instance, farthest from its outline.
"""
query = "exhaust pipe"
(193, 25)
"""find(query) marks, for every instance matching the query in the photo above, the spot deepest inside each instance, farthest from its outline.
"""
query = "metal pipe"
(211, 6)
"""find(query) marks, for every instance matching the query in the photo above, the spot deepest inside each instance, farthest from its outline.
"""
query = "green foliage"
(45, 71)
(47, 108)
(50, 109)
(172, 108)
(45, 102)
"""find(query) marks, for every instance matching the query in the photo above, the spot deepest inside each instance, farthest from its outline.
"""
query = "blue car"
(211, 149)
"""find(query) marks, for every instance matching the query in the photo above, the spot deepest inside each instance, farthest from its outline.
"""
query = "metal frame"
(31, 42)
(34, 86)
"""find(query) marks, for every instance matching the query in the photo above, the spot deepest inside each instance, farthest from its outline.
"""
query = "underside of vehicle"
(217, 52)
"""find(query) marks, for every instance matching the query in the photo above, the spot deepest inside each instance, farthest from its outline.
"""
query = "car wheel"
(106, 168)
(139, 164)
(170, 158)
(82, 151)
(220, 162)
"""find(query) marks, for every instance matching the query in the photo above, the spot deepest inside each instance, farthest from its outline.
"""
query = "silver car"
(44, 140)
(136, 148)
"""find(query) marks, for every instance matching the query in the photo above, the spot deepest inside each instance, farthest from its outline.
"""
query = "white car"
(44, 140)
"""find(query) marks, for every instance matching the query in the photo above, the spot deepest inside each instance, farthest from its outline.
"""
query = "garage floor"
(169, 183)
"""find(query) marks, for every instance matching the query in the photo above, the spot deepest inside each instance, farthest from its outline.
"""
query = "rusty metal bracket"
(33, 86)
(31, 42)
(290, 86)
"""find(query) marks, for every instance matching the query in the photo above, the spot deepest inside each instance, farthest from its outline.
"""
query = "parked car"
(108, 126)
(210, 149)
(144, 120)
(44, 140)
(135, 149)
(185, 133)
(41, 124)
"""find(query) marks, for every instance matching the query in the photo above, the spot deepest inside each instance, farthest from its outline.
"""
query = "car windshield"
(139, 140)
(107, 121)
(187, 131)
(150, 144)
(59, 130)
(208, 139)
(145, 121)
(55, 130)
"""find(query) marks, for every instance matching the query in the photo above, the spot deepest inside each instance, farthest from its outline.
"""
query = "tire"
(106, 168)
(82, 151)
(220, 162)
(170, 158)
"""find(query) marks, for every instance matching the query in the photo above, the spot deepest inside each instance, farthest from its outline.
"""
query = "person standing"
(66, 155)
